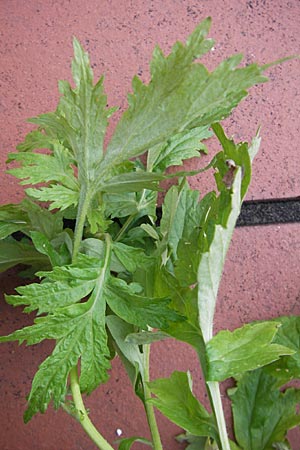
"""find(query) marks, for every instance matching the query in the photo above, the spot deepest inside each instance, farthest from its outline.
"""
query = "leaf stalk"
(82, 415)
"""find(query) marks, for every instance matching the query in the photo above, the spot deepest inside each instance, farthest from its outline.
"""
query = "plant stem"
(125, 226)
(215, 395)
(84, 203)
(157, 445)
(82, 415)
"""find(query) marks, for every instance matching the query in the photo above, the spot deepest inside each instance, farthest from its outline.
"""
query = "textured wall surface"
(261, 277)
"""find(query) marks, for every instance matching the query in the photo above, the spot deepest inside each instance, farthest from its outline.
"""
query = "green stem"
(84, 203)
(157, 445)
(216, 400)
(125, 226)
(82, 415)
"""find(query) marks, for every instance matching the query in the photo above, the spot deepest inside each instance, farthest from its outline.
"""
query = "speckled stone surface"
(261, 278)
(266, 212)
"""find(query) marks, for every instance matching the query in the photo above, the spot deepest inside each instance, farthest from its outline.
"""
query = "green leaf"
(131, 204)
(181, 95)
(238, 153)
(57, 257)
(146, 337)
(53, 295)
(130, 353)
(74, 133)
(126, 444)
(130, 257)
(220, 226)
(62, 287)
(181, 214)
(131, 182)
(190, 247)
(41, 168)
(36, 139)
(60, 196)
(53, 168)
(174, 398)
(27, 216)
(97, 218)
(202, 443)
(199, 229)
(96, 249)
(194, 442)
(287, 368)
(211, 264)
(158, 282)
(12, 218)
(84, 109)
(249, 347)
(150, 106)
(13, 252)
(138, 310)
(182, 146)
(261, 409)
(78, 327)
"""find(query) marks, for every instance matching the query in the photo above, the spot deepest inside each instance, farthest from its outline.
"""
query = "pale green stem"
(82, 415)
(157, 445)
(84, 204)
(125, 226)
(215, 395)
(130, 219)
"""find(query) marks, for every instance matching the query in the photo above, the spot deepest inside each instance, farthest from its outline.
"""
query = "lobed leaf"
(79, 328)
(184, 145)
(181, 95)
(287, 368)
(60, 197)
(41, 168)
(130, 257)
(138, 310)
(261, 409)
(249, 347)
(181, 214)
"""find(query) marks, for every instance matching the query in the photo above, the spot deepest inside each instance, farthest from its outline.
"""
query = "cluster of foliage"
(120, 279)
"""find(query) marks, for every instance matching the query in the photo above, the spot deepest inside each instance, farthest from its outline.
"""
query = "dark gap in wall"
(266, 212)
